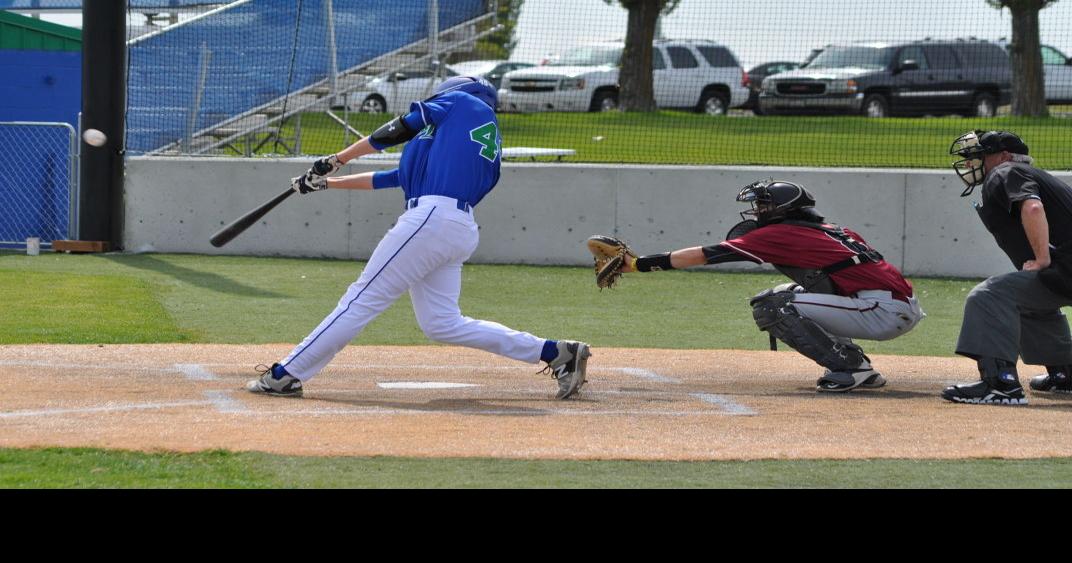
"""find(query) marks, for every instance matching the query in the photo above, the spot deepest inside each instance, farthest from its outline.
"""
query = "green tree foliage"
(501, 43)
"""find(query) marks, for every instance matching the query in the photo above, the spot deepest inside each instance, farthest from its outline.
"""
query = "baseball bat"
(238, 226)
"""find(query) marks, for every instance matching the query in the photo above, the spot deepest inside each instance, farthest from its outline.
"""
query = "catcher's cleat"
(842, 381)
(269, 384)
(982, 393)
(1058, 382)
(568, 367)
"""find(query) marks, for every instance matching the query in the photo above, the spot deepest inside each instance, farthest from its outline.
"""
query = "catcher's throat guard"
(741, 229)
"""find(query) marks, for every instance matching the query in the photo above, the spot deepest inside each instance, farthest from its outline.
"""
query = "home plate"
(423, 385)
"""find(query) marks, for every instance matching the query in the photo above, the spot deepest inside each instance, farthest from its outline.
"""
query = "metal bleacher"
(227, 78)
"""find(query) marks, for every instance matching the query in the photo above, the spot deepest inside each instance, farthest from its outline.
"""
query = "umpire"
(1029, 213)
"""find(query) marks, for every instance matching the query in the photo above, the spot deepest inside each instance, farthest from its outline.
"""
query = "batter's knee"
(441, 329)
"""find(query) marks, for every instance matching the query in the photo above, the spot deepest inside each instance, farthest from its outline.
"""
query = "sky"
(766, 30)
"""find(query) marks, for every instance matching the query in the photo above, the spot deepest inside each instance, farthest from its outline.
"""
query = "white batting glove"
(326, 166)
(308, 183)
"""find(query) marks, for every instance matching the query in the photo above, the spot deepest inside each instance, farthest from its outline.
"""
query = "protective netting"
(234, 74)
(37, 179)
(779, 82)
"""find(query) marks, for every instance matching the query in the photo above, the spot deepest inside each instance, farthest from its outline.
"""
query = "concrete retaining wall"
(542, 213)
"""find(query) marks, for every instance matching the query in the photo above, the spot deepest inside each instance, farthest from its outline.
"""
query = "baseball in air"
(94, 137)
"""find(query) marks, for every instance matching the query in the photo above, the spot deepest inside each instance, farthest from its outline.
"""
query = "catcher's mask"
(773, 199)
(972, 146)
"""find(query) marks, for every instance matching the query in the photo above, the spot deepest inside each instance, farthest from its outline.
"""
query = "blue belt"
(461, 205)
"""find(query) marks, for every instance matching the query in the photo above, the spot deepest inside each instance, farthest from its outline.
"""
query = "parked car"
(492, 71)
(394, 93)
(967, 77)
(756, 76)
(1057, 78)
(697, 75)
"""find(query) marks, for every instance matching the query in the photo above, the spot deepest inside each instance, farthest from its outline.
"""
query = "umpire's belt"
(415, 201)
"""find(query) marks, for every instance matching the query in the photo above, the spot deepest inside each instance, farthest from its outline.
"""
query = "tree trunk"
(634, 79)
(1028, 88)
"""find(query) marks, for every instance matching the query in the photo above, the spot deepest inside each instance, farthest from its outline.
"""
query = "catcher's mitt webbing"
(610, 255)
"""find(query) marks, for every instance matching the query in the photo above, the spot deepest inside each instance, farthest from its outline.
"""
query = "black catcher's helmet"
(972, 146)
(773, 199)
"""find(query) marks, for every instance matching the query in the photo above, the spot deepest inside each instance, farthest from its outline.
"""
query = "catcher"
(841, 289)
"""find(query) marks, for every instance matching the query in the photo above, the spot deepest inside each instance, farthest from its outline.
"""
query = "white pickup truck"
(696, 75)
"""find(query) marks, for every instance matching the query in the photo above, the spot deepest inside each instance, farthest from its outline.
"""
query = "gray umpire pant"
(1015, 315)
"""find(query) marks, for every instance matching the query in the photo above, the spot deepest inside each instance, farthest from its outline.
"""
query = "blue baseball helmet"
(473, 85)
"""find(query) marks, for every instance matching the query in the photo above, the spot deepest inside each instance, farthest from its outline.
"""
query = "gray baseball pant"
(1015, 315)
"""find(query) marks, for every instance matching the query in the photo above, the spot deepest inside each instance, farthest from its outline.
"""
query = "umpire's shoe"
(284, 386)
(1056, 381)
(999, 385)
(568, 367)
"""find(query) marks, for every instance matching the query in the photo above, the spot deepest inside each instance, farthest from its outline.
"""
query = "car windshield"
(590, 56)
(853, 57)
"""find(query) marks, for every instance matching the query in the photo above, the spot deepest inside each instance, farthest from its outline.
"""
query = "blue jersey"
(457, 153)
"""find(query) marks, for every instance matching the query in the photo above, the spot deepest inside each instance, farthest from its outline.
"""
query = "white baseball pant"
(423, 253)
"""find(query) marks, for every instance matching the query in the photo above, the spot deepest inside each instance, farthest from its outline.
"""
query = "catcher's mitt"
(611, 255)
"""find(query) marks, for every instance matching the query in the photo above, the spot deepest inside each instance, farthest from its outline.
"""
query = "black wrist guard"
(393, 132)
(654, 262)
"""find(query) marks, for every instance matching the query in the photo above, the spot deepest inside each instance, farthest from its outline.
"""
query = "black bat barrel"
(229, 232)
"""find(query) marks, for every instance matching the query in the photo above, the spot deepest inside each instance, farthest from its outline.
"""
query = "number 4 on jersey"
(487, 136)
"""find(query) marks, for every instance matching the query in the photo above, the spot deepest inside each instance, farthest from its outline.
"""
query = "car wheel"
(373, 104)
(984, 106)
(605, 101)
(875, 105)
(713, 103)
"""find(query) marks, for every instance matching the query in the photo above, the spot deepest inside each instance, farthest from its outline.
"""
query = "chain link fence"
(38, 183)
(859, 83)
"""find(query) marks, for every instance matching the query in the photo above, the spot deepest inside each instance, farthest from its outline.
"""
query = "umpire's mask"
(970, 166)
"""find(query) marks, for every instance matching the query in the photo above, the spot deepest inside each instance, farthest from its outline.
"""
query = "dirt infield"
(454, 402)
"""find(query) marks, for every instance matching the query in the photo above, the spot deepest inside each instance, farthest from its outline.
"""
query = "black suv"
(966, 77)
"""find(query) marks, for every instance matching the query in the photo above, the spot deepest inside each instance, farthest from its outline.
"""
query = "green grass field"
(93, 468)
(236, 300)
(59, 298)
(669, 137)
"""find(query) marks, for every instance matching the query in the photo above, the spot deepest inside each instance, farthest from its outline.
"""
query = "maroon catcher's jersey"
(805, 247)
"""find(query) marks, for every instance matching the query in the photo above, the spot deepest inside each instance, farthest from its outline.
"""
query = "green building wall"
(22, 33)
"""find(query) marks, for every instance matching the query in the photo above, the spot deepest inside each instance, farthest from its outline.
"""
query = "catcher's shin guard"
(774, 312)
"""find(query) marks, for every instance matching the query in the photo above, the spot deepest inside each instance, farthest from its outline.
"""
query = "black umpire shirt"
(1008, 185)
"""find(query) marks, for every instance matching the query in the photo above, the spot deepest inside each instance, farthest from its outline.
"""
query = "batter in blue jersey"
(450, 162)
